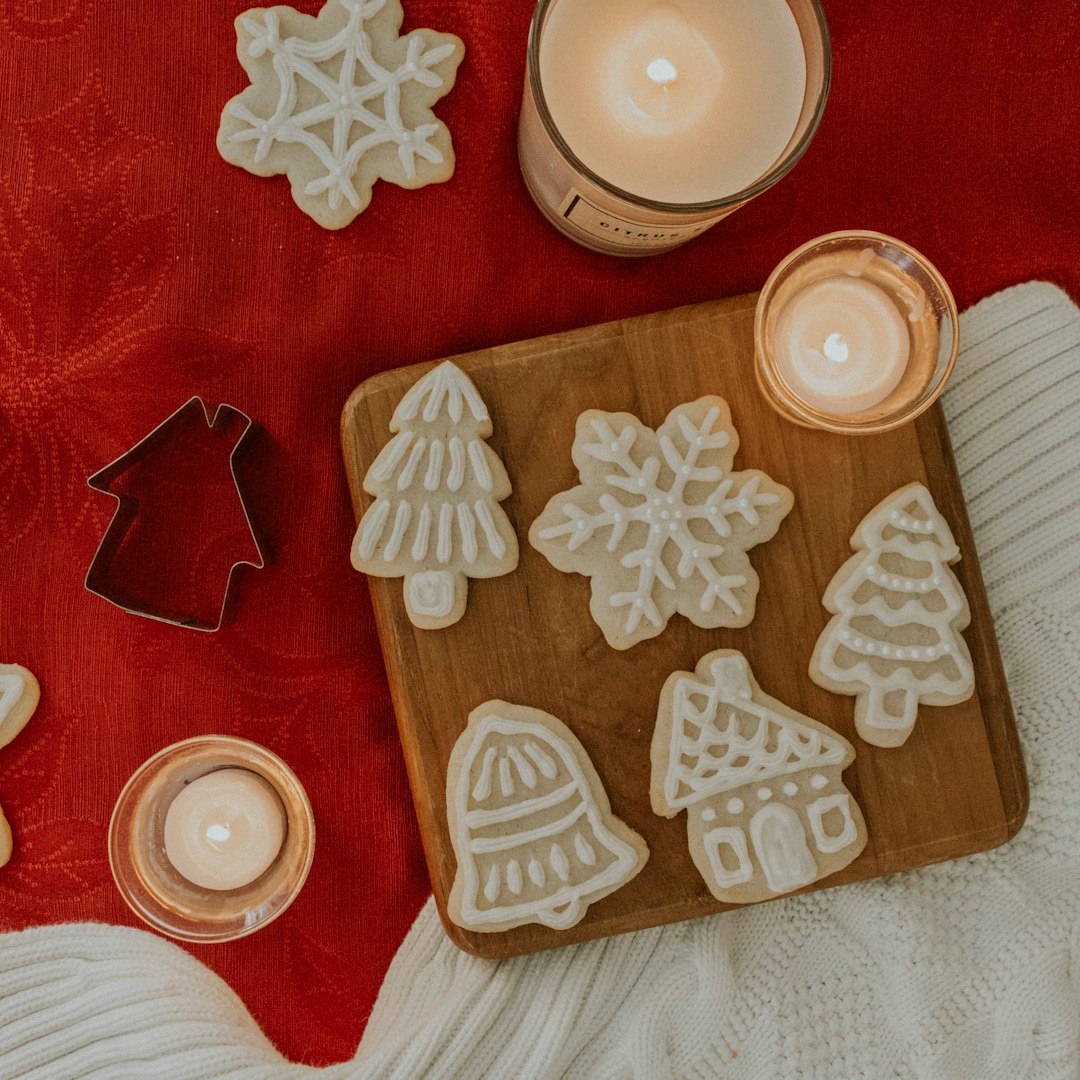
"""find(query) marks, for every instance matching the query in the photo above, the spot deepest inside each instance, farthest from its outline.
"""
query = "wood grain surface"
(956, 787)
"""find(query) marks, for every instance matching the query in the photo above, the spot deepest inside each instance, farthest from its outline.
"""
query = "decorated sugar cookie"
(19, 695)
(339, 101)
(767, 810)
(531, 825)
(436, 520)
(660, 523)
(894, 639)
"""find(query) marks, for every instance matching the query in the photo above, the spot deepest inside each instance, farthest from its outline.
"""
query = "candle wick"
(661, 71)
(836, 348)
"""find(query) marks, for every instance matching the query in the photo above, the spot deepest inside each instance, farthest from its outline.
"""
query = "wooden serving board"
(956, 787)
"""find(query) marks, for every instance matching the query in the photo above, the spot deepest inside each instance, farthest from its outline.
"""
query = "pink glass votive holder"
(151, 885)
(900, 277)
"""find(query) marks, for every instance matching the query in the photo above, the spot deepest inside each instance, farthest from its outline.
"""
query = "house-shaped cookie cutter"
(127, 506)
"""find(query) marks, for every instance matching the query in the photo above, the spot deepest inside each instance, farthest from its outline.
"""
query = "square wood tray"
(956, 787)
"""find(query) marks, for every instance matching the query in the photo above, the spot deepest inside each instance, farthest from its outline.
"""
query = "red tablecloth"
(137, 268)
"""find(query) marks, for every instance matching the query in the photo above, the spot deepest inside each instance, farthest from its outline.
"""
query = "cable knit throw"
(967, 969)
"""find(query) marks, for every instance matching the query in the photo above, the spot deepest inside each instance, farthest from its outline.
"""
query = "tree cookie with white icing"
(436, 519)
(531, 825)
(898, 611)
(767, 809)
(19, 696)
(660, 522)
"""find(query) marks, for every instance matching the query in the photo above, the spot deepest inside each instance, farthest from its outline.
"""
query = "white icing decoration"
(480, 465)
(431, 593)
(559, 862)
(790, 789)
(735, 840)
(818, 781)
(706, 739)
(514, 880)
(519, 837)
(883, 678)
(735, 806)
(423, 532)
(816, 812)
(408, 470)
(584, 850)
(352, 103)
(779, 841)
(401, 523)
(708, 814)
(491, 886)
(697, 482)
(456, 477)
(435, 461)
(764, 794)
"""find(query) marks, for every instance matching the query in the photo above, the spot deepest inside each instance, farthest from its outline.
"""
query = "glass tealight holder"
(157, 892)
(921, 297)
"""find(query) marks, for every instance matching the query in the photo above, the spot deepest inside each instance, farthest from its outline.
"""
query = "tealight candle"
(841, 344)
(646, 121)
(223, 830)
(854, 332)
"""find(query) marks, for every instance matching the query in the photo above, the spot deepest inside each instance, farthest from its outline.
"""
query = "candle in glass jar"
(841, 344)
(681, 102)
(224, 829)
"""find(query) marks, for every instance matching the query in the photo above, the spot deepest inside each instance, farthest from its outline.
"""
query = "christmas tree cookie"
(894, 639)
(436, 519)
(660, 522)
(767, 810)
(19, 695)
(530, 823)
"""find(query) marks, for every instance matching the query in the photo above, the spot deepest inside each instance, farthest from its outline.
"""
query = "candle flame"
(836, 348)
(661, 71)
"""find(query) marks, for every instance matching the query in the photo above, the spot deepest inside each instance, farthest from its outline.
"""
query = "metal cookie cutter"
(97, 577)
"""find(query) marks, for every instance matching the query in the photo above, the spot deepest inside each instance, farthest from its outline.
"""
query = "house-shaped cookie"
(767, 810)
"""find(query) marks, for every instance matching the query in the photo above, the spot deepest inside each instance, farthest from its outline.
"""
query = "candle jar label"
(624, 232)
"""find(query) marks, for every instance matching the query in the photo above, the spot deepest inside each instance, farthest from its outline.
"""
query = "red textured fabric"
(137, 268)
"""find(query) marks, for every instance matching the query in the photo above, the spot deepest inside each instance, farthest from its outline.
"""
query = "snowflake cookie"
(436, 520)
(894, 638)
(767, 810)
(339, 101)
(19, 696)
(530, 822)
(660, 523)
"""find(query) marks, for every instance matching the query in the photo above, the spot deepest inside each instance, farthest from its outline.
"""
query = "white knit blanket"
(970, 969)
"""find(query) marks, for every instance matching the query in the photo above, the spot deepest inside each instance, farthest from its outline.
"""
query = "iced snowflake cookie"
(660, 523)
(767, 810)
(436, 520)
(894, 638)
(19, 695)
(339, 101)
(531, 825)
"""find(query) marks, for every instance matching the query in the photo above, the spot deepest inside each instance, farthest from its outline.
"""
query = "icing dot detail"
(764, 794)
(735, 806)
(818, 781)
(791, 788)
(708, 814)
